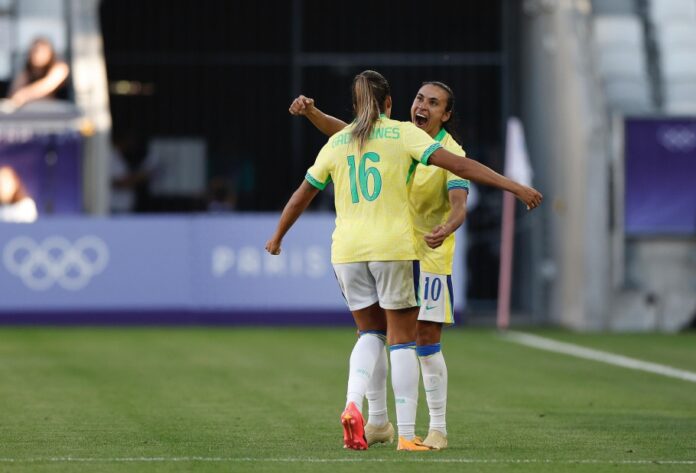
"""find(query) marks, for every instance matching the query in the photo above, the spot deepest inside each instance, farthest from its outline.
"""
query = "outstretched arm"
(292, 211)
(42, 87)
(477, 172)
(328, 125)
(19, 81)
(439, 234)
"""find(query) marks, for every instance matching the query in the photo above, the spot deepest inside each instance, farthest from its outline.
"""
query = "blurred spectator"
(245, 183)
(221, 196)
(132, 168)
(15, 204)
(43, 76)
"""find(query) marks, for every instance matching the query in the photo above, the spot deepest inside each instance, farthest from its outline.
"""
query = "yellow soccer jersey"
(431, 207)
(371, 189)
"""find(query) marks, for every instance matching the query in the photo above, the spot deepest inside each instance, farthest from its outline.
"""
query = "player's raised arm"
(328, 125)
(477, 172)
(293, 209)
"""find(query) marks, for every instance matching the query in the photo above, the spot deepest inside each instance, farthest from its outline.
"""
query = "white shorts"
(394, 284)
(436, 298)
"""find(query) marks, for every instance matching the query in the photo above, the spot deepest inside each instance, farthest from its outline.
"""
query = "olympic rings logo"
(56, 261)
(677, 138)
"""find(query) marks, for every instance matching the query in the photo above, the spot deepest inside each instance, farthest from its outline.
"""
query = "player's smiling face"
(428, 109)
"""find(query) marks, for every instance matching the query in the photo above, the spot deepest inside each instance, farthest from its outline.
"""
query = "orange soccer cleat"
(414, 445)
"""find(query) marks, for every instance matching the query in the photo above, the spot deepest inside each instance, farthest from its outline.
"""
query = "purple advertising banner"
(232, 269)
(660, 176)
(50, 168)
(76, 263)
(173, 269)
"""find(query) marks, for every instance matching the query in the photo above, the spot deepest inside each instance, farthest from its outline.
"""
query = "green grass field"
(231, 399)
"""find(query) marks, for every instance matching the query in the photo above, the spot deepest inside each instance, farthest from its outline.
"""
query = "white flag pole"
(517, 168)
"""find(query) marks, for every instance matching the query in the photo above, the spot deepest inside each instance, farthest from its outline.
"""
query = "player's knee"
(400, 335)
(428, 333)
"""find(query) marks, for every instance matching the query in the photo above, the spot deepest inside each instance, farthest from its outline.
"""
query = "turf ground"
(231, 399)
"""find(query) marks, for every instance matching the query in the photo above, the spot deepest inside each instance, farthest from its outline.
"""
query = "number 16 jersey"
(371, 188)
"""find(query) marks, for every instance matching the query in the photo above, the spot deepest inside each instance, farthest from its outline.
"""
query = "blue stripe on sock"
(401, 346)
(381, 333)
(427, 350)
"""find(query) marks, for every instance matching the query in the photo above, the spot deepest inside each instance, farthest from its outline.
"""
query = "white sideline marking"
(338, 460)
(605, 357)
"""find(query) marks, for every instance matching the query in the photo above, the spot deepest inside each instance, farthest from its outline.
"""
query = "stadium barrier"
(171, 269)
(43, 144)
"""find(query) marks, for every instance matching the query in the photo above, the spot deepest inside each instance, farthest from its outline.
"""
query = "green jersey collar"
(440, 135)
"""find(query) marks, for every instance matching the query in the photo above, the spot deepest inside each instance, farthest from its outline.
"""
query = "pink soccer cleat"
(353, 428)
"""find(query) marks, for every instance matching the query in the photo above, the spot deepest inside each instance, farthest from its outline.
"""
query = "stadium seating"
(21, 22)
(647, 52)
(5, 39)
(629, 96)
(678, 65)
(663, 11)
(621, 63)
(614, 7)
(5, 49)
(674, 22)
(620, 47)
(679, 34)
(618, 30)
(680, 97)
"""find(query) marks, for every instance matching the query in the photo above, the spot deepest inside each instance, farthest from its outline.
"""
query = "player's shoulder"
(410, 133)
(339, 139)
(385, 121)
(346, 129)
(450, 144)
(401, 124)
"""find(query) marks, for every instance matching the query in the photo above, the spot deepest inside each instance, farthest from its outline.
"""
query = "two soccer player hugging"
(393, 246)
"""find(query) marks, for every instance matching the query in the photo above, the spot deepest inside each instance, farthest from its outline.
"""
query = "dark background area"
(226, 71)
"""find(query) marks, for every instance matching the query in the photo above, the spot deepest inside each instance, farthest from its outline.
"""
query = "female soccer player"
(373, 250)
(438, 199)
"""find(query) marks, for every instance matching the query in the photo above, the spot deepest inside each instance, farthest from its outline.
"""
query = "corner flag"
(517, 168)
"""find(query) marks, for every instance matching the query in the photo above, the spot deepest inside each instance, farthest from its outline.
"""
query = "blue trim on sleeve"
(403, 346)
(458, 184)
(308, 177)
(428, 151)
(427, 350)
